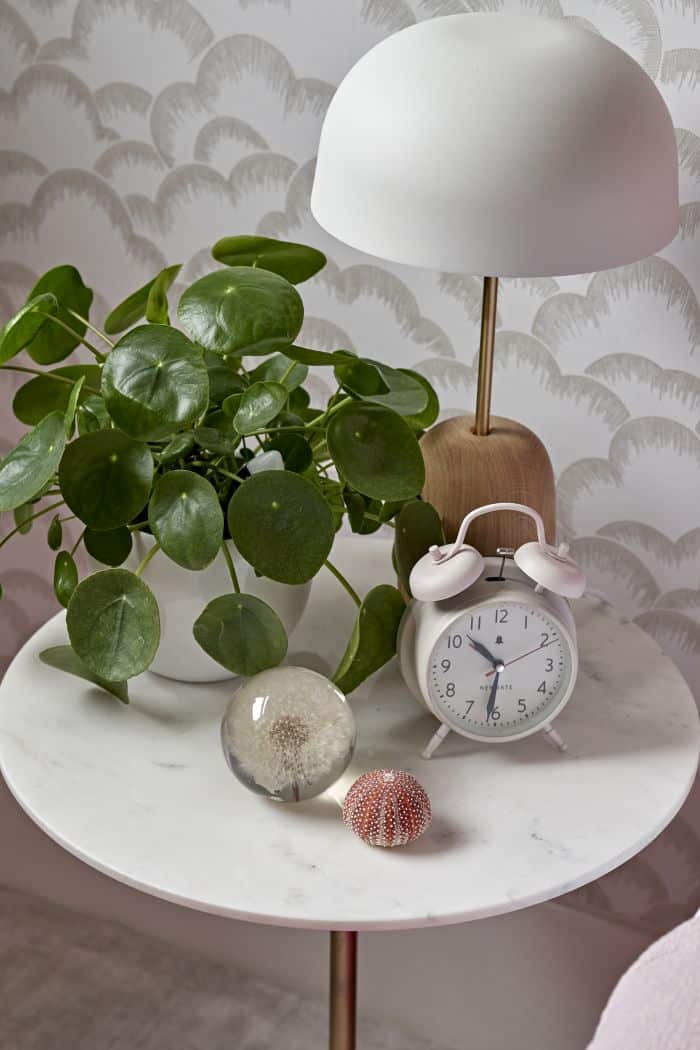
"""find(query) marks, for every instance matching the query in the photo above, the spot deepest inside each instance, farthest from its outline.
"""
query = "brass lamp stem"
(482, 422)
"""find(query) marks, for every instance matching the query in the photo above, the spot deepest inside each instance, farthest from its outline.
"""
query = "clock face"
(500, 669)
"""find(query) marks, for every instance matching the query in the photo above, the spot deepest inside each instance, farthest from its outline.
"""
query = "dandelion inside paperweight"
(288, 733)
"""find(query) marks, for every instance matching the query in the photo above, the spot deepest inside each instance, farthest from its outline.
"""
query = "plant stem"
(280, 430)
(231, 569)
(31, 517)
(228, 474)
(343, 582)
(48, 375)
(77, 542)
(374, 517)
(287, 372)
(320, 421)
(151, 554)
(97, 331)
(61, 324)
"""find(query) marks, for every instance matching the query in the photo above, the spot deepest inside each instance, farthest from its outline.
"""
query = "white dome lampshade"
(504, 146)
(498, 144)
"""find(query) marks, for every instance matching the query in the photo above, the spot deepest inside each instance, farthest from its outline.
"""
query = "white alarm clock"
(488, 645)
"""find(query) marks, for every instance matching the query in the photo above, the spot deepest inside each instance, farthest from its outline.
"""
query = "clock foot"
(435, 741)
(554, 738)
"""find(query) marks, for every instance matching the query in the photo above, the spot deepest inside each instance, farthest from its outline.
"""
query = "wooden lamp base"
(464, 471)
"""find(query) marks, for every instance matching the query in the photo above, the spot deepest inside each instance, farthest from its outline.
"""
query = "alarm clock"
(488, 645)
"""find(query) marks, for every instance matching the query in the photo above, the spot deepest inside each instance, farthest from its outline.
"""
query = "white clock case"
(423, 624)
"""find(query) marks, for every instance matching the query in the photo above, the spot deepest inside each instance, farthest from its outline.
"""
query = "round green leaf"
(223, 380)
(373, 640)
(53, 343)
(155, 382)
(45, 394)
(71, 407)
(92, 415)
(299, 399)
(418, 527)
(31, 464)
(282, 525)
(359, 507)
(426, 418)
(54, 535)
(295, 451)
(243, 310)
(113, 624)
(186, 518)
(109, 548)
(23, 518)
(259, 405)
(376, 451)
(305, 356)
(231, 404)
(65, 577)
(220, 442)
(242, 633)
(133, 308)
(281, 369)
(157, 299)
(106, 478)
(23, 327)
(178, 448)
(64, 659)
(296, 262)
(376, 382)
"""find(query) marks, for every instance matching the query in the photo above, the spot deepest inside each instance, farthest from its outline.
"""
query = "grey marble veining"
(143, 793)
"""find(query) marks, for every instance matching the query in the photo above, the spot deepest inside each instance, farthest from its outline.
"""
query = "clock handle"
(490, 508)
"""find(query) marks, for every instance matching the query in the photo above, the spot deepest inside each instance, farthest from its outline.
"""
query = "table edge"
(271, 919)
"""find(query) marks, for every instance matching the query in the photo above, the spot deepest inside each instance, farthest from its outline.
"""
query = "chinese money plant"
(156, 434)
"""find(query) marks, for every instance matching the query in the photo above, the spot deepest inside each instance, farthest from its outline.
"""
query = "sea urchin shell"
(387, 807)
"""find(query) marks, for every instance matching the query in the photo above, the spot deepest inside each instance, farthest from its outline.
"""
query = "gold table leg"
(343, 990)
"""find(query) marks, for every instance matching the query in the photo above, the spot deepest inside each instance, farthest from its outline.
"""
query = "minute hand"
(507, 663)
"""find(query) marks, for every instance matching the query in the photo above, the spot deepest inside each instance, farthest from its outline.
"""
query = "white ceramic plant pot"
(182, 595)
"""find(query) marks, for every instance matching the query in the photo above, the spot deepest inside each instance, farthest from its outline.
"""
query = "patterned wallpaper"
(134, 133)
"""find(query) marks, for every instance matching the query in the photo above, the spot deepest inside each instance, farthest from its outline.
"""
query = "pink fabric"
(656, 1004)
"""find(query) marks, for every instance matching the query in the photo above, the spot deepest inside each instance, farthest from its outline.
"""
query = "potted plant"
(194, 453)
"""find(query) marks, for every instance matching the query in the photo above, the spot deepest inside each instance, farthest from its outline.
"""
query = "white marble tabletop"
(143, 793)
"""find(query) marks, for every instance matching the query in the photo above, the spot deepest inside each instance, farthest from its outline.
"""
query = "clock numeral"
(495, 714)
(475, 623)
(522, 707)
(446, 665)
(549, 666)
(525, 623)
(542, 687)
(545, 638)
(450, 689)
(501, 616)
(454, 641)
(470, 704)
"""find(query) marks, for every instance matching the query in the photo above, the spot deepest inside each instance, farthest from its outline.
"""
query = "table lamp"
(506, 146)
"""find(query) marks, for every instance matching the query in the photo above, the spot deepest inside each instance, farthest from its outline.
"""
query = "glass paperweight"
(288, 733)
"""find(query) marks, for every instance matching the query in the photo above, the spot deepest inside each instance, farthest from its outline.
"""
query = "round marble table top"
(143, 793)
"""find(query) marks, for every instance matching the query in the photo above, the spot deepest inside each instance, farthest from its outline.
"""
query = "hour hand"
(482, 650)
(492, 696)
